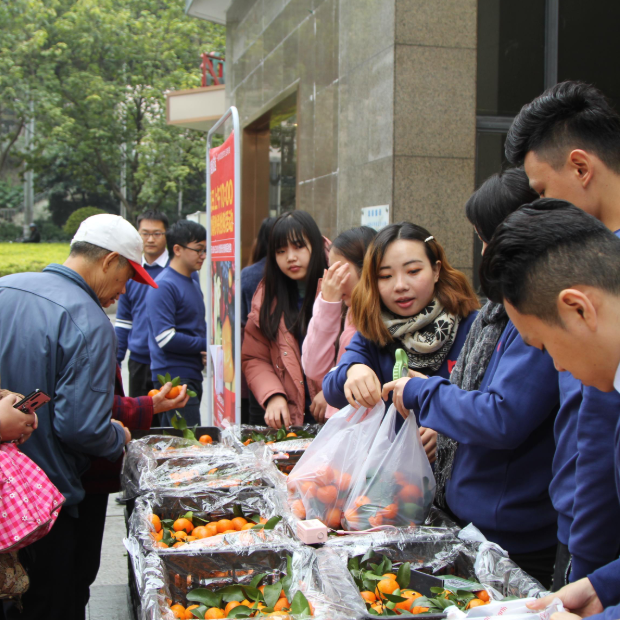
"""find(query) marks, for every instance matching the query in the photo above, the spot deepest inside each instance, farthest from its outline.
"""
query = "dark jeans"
(63, 565)
(191, 411)
(140, 383)
(538, 564)
(562, 567)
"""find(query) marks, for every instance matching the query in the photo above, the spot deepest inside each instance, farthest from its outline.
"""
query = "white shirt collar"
(617, 380)
(160, 261)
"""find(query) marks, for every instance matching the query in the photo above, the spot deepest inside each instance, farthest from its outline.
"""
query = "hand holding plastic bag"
(516, 610)
(397, 485)
(320, 482)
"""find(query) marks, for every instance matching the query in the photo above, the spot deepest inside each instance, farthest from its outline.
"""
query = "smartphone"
(32, 402)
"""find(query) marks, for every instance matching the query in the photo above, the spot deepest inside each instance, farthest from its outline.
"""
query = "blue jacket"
(502, 467)
(606, 580)
(611, 613)
(363, 351)
(55, 336)
(250, 279)
(132, 325)
(583, 492)
(177, 326)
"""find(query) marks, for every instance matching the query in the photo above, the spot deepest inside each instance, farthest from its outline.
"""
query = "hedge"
(19, 257)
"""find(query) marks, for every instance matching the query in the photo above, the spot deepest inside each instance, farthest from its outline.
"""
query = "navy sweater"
(177, 326)
(583, 492)
(502, 467)
(132, 324)
(362, 351)
(606, 580)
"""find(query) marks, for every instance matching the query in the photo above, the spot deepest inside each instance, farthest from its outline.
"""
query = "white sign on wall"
(376, 217)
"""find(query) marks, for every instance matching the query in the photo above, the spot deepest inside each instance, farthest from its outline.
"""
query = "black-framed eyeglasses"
(199, 252)
(155, 235)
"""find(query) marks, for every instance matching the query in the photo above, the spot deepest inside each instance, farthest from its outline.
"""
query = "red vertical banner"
(222, 222)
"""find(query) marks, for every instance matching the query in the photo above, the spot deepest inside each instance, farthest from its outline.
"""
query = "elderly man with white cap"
(55, 336)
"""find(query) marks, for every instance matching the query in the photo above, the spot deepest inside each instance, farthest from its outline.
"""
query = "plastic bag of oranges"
(396, 486)
(319, 484)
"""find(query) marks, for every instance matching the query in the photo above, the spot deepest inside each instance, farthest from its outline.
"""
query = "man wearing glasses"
(131, 321)
(176, 316)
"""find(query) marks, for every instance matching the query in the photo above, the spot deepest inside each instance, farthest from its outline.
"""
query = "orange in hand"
(153, 393)
(174, 392)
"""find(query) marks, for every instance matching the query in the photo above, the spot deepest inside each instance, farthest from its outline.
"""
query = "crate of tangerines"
(207, 519)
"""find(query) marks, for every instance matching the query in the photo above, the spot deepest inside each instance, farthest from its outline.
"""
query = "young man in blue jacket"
(131, 321)
(555, 268)
(176, 314)
(568, 141)
(55, 336)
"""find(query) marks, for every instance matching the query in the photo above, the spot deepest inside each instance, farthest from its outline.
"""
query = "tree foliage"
(99, 71)
(77, 217)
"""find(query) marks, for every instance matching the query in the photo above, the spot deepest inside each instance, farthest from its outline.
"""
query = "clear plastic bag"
(320, 482)
(396, 486)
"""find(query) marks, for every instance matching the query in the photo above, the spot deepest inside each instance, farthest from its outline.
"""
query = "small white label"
(376, 217)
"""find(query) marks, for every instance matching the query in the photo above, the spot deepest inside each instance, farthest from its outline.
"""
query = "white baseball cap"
(116, 234)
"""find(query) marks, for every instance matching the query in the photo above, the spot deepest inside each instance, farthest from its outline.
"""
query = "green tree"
(105, 68)
(77, 217)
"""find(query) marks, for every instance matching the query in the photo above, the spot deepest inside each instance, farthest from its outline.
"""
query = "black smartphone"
(32, 402)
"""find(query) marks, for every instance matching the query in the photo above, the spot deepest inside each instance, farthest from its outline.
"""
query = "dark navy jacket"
(362, 351)
(502, 467)
(55, 336)
(583, 492)
(132, 324)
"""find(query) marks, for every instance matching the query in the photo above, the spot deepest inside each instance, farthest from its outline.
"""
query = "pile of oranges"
(183, 530)
(389, 585)
(320, 494)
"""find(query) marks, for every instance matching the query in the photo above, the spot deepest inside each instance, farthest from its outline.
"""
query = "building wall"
(386, 104)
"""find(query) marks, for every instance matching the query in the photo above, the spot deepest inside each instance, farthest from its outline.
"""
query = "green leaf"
(191, 393)
(353, 564)
(199, 612)
(272, 594)
(176, 381)
(372, 612)
(369, 554)
(237, 511)
(257, 579)
(188, 434)
(437, 590)
(167, 523)
(188, 515)
(161, 380)
(251, 593)
(272, 523)
(255, 518)
(241, 611)
(299, 604)
(206, 597)
(393, 598)
(168, 377)
(372, 576)
(404, 575)
(286, 583)
(232, 593)
(281, 434)
(258, 526)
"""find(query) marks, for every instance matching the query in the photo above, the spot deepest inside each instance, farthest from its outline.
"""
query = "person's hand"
(4, 393)
(318, 407)
(127, 433)
(276, 413)
(414, 374)
(397, 397)
(15, 424)
(203, 354)
(161, 403)
(362, 387)
(564, 615)
(429, 441)
(334, 279)
(579, 597)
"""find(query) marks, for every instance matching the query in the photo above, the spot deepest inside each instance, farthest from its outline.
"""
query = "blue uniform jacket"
(362, 351)
(132, 323)
(502, 467)
(583, 492)
(55, 336)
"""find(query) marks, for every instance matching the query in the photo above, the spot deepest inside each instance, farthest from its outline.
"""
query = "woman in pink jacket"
(278, 322)
(327, 336)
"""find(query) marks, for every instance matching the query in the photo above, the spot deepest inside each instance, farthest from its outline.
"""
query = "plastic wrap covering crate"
(146, 470)
(163, 431)
(326, 584)
(208, 506)
(468, 556)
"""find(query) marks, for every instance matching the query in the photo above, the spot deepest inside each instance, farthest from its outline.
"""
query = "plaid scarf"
(427, 337)
(467, 374)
